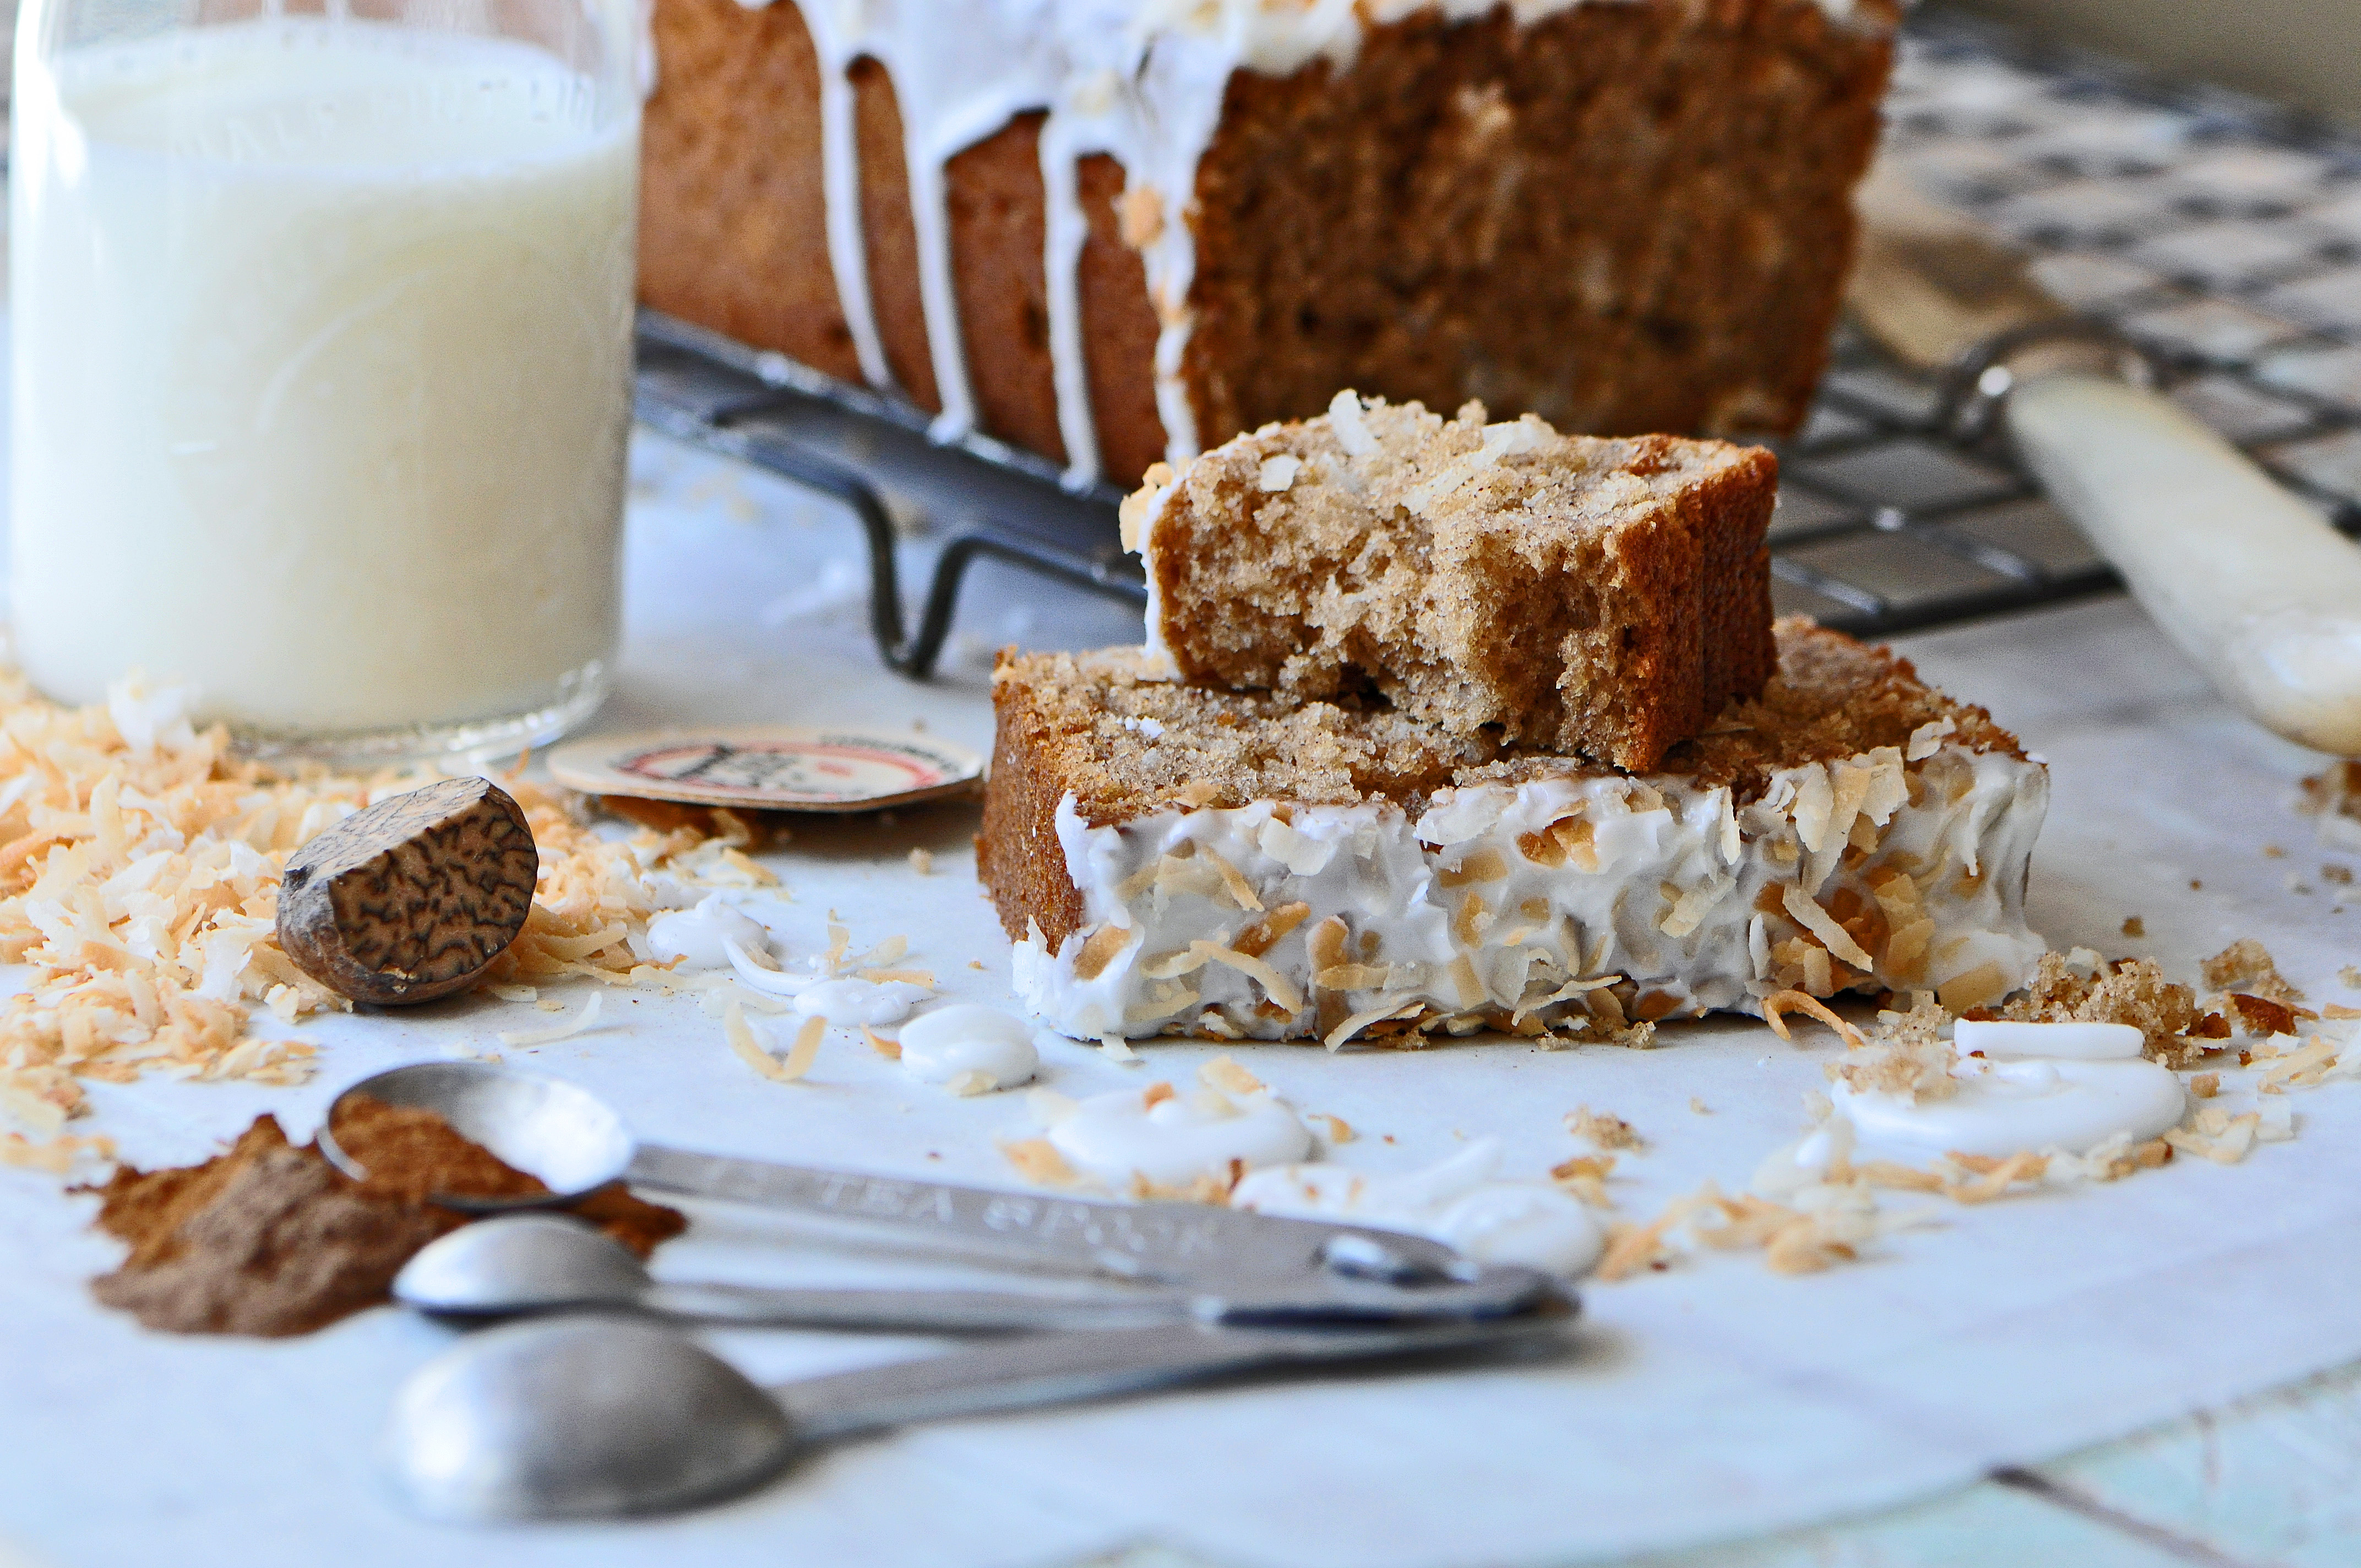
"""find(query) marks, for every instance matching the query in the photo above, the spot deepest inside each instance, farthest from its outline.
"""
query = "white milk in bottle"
(323, 344)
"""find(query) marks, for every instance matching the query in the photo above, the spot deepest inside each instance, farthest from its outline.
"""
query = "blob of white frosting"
(1457, 1202)
(2008, 1107)
(968, 1036)
(2006, 1041)
(696, 937)
(852, 1000)
(1177, 1140)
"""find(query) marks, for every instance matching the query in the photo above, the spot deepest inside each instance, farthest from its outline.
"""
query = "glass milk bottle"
(322, 358)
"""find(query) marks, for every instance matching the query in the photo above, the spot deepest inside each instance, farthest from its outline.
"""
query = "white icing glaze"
(2007, 1107)
(1142, 81)
(970, 1037)
(696, 936)
(1457, 1202)
(1177, 1140)
(1668, 892)
(2006, 1041)
(851, 1000)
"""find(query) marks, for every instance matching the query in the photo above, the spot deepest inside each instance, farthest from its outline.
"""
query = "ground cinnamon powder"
(271, 1239)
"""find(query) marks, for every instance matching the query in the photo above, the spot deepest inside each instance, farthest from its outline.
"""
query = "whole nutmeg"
(411, 898)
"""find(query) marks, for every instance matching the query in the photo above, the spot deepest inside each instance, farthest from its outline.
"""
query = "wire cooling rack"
(2216, 232)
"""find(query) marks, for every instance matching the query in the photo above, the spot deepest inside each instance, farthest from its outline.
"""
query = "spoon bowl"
(562, 1133)
(580, 1417)
(521, 1263)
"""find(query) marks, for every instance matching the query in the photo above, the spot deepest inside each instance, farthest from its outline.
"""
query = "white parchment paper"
(1712, 1400)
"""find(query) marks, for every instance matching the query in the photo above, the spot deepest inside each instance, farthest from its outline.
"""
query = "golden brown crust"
(731, 182)
(1119, 330)
(999, 226)
(1096, 727)
(889, 235)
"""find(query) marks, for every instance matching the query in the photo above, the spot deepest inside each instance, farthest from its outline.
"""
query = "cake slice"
(1562, 592)
(1174, 860)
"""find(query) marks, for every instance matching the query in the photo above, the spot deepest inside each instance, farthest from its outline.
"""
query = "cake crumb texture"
(1562, 592)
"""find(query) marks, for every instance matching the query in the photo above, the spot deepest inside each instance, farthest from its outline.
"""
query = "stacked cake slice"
(1450, 725)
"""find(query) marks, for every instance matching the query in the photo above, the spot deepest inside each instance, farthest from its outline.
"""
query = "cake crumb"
(2134, 927)
(2260, 1015)
(2205, 1085)
(1699, 1106)
(1340, 1131)
(922, 862)
(2129, 991)
(1603, 1131)
(2332, 872)
(2245, 965)
(2273, 852)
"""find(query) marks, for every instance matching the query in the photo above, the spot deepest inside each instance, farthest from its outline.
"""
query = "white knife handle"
(2251, 582)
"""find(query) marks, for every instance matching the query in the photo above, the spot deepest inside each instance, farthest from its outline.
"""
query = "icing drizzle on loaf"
(1139, 81)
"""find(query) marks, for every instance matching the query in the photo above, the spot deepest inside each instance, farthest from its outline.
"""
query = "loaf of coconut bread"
(1115, 232)
(1172, 859)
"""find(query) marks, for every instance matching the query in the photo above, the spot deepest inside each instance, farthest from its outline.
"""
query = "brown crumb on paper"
(2133, 927)
(1602, 1131)
(2247, 965)
(2129, 991)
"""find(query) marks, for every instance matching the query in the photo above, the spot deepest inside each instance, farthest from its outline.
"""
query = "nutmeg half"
(411, 898)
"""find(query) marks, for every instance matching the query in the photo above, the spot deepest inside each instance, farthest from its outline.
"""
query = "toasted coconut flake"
(1335, 1038)
(1234, 882)
(1984, 983)
(889, 1049)
(1275, 984)
(1224, 1073)
(1038, 1161)
(1340, 1131)
(969, 1082)
(1263, 933)
(1776, 1005)
(1482, 865)
(1115, 1048)
(1994, 1176)
(580, 1022)
(1100, 948)
(1806, 912)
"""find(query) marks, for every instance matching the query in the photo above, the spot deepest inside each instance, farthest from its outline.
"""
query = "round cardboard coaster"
(770, 768)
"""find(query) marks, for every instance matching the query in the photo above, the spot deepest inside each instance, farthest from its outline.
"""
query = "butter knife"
(2251, 582)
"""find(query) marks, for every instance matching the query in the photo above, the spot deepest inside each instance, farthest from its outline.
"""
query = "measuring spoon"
(520, 1265)
(591, 1416)
(575, 1144)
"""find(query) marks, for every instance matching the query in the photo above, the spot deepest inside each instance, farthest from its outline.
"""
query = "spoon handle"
(1180, 1242)
(913, 1310)
(1065, 1368)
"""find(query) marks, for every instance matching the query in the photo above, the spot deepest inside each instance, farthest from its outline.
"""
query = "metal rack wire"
(2217, 233)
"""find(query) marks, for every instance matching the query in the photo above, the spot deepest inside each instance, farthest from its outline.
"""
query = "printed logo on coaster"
(771, 769)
